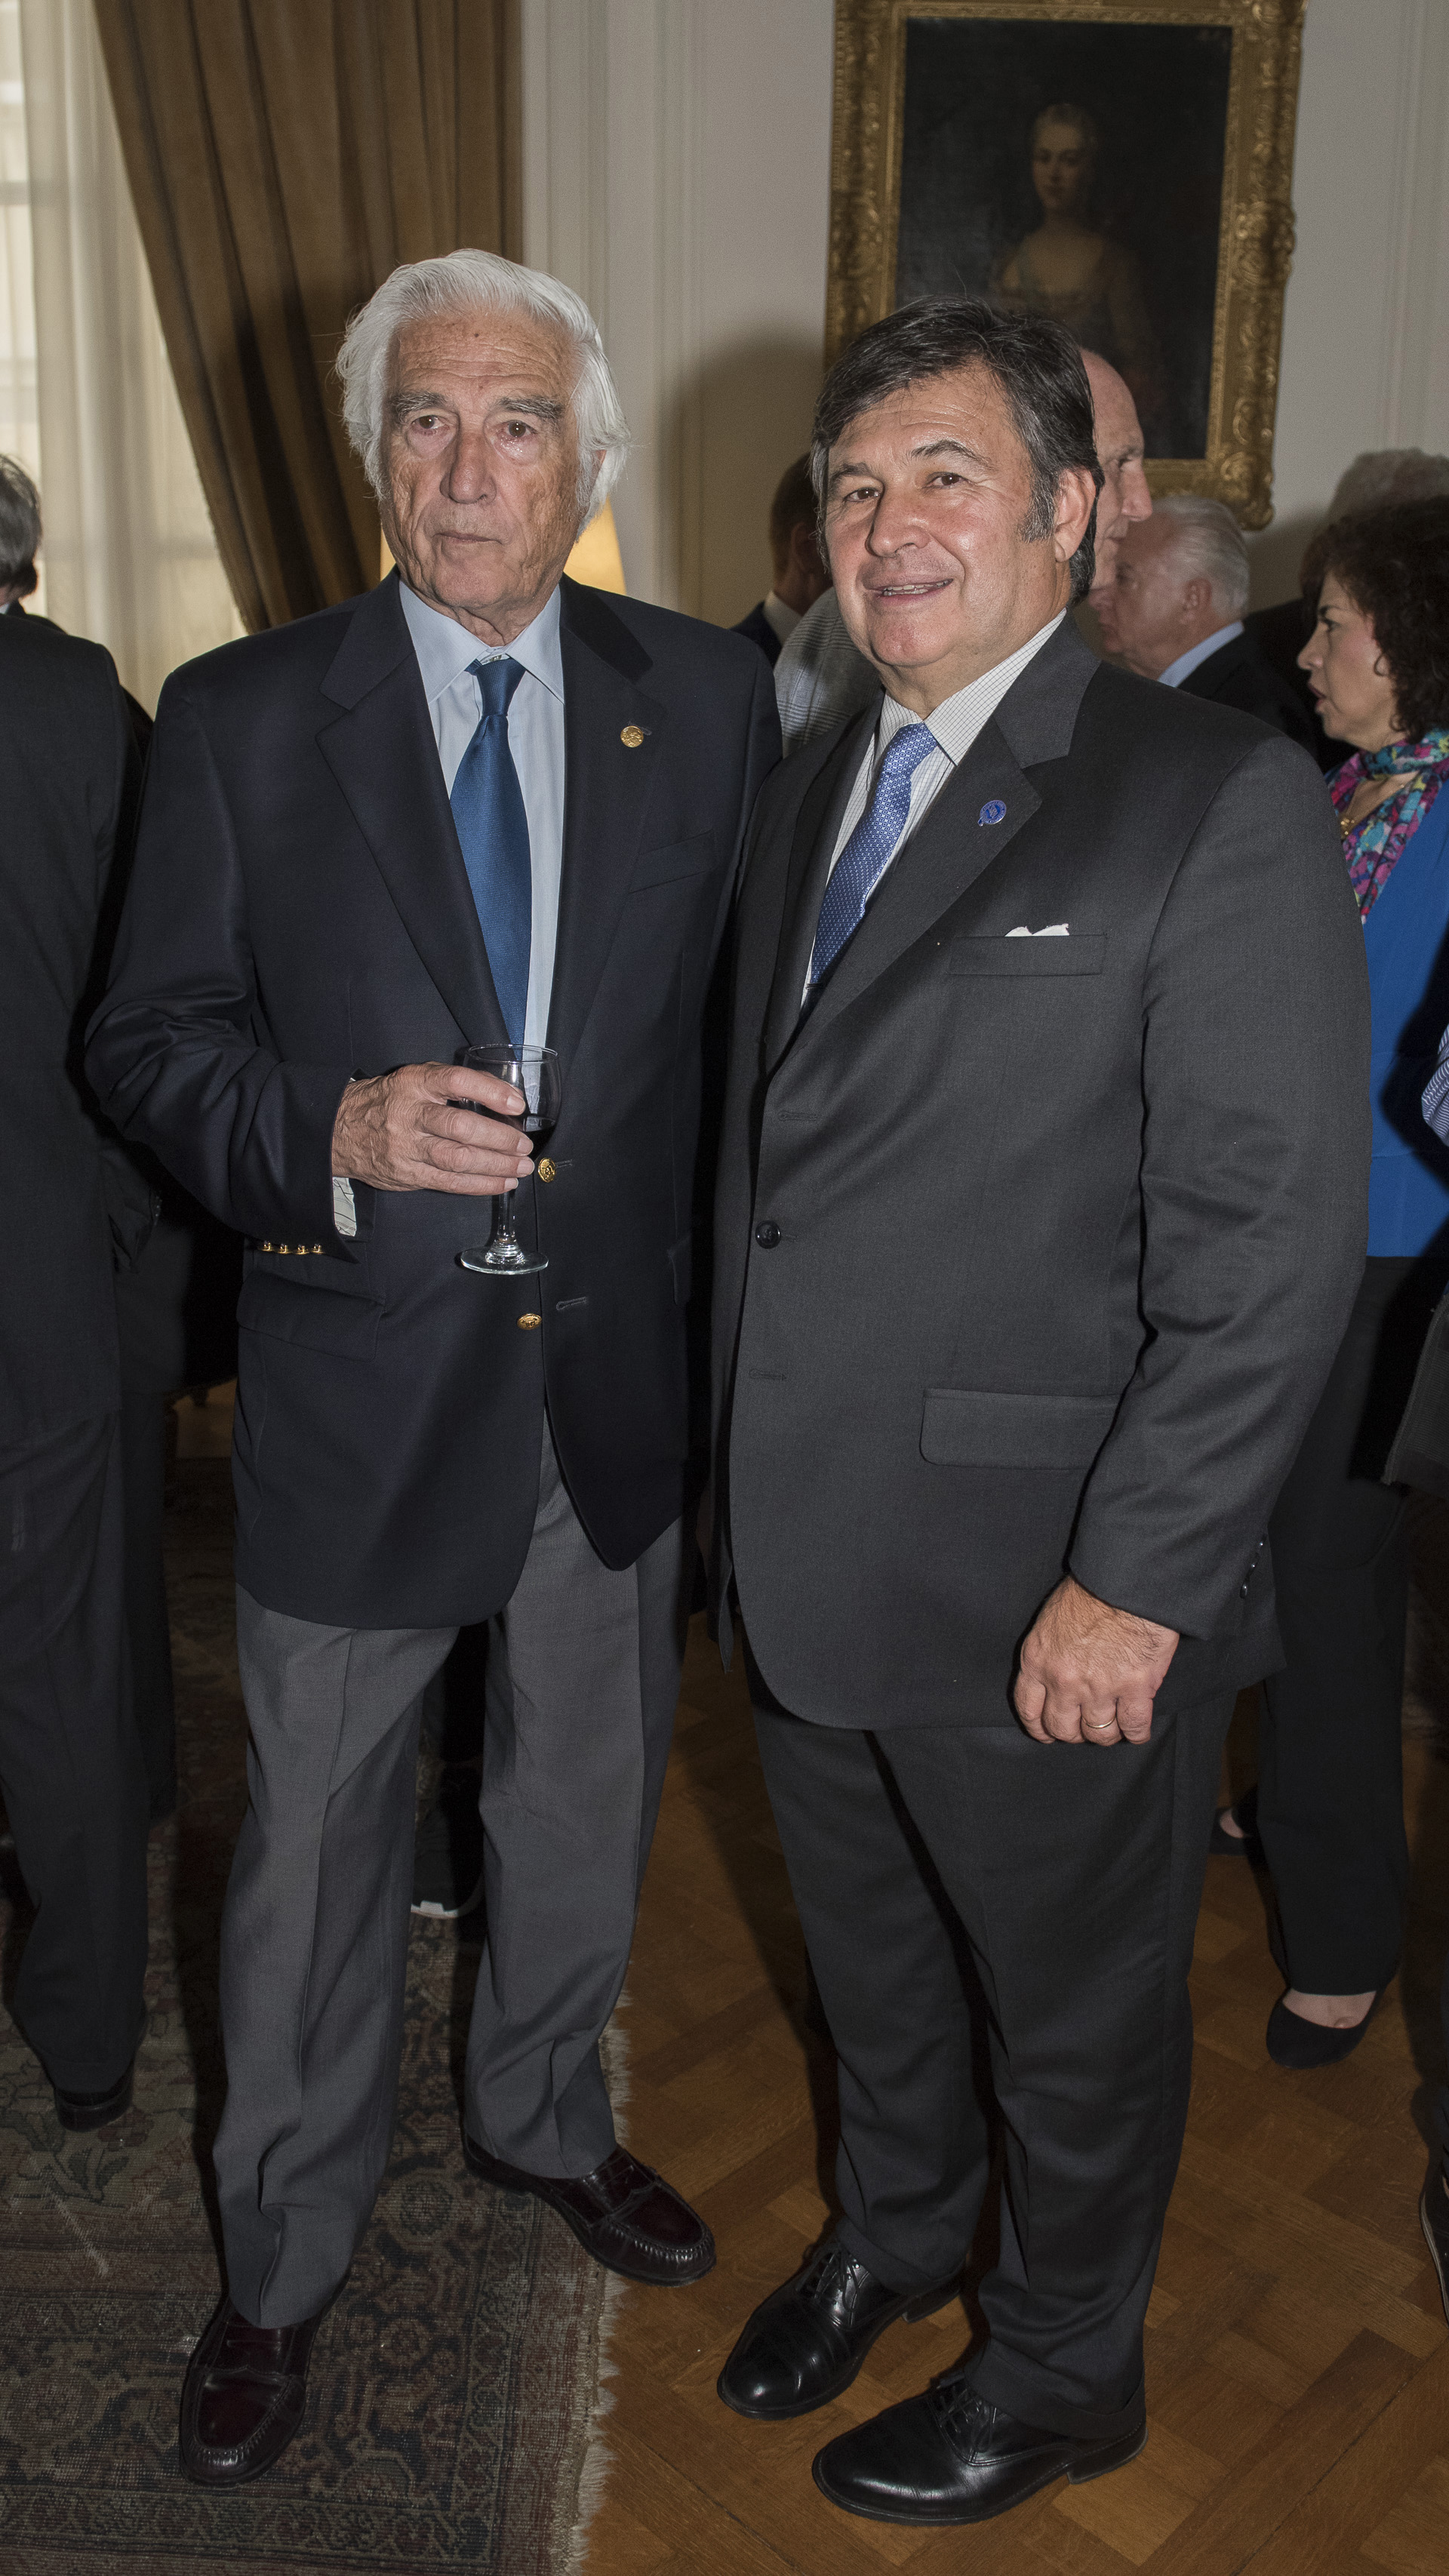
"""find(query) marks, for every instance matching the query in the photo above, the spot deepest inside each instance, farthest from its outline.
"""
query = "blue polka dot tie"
(866, 854)
(488, 810)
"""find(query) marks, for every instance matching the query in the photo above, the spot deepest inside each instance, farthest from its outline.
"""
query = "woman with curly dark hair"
(1327, 1815)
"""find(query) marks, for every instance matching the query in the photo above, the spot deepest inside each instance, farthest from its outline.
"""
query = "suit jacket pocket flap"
(963, 1427)
(1000, 956)
(681, 859)
(318, 1319)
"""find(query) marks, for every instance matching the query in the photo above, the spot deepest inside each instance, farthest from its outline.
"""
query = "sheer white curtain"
(87, 398)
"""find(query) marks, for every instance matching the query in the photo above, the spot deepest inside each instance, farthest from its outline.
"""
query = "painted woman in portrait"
(1071, 270)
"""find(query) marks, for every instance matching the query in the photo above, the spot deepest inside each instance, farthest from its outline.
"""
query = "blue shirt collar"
(445, 649)
(1186, 663)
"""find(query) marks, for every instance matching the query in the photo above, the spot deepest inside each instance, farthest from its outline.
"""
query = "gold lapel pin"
(631, 737)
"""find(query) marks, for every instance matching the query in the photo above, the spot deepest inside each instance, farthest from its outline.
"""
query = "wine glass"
(535, 1072)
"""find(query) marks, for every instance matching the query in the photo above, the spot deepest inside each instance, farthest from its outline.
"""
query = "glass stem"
(504, 1229)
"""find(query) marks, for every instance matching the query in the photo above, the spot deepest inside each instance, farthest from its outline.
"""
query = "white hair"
(472, 281)
(1209, 544)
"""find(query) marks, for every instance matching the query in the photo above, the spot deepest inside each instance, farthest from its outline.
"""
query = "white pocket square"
(1053, 930)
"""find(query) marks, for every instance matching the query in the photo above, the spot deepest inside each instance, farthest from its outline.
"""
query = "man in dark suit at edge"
(1041, 1208)
(71, 1766)
(798, 575)
(478, 805)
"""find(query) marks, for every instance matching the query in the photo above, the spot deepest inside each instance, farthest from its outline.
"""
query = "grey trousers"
(583, 1676)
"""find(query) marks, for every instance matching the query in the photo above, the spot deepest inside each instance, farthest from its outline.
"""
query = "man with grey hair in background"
(1173, 611)
(479, 807)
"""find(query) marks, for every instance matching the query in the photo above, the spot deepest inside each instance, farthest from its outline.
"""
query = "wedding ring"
(1103, 1725)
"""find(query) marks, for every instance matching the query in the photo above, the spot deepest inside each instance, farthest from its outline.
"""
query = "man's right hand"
(400, 1131)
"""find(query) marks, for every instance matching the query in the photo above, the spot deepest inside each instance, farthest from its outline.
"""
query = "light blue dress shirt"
(535, 737)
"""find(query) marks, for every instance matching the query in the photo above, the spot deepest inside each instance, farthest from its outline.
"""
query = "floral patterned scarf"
(1373, 847)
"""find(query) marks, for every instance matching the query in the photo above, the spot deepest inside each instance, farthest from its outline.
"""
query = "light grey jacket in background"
(1069, 1227)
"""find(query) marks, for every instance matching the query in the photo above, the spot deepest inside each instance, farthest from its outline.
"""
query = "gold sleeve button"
(316, 1247)
(529, 1323)
(267, 1247)
(547, 1169)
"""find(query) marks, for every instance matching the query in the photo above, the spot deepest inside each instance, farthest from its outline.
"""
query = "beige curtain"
(128, 556)
(284, 155)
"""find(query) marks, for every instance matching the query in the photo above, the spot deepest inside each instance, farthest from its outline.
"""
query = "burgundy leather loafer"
(621, 2213)
(244, 2397)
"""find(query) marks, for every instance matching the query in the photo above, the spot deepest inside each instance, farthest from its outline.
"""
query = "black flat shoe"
(623, 2213)
(948, 2457)
(1434, 2220)
(1244, 1846)
(1300, 2044)
(806, 2342)
(93, 2110)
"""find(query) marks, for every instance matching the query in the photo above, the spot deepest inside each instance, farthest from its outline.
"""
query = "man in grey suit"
(1041, 1209)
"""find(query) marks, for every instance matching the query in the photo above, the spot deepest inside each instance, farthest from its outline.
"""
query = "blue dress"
(1406, 945)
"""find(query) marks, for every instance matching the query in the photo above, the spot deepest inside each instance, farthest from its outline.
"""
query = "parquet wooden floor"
(1298, 2360)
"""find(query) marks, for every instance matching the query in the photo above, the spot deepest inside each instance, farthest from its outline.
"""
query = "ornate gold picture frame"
(1124, 164)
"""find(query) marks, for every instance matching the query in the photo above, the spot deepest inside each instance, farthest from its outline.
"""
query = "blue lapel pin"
(994, 812)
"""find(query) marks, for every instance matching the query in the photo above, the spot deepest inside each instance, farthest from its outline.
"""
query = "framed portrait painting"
(1121, 165)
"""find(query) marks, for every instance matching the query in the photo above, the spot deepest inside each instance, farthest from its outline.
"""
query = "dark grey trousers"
(1074, 1876)
(583, 1676)
(70, 1758)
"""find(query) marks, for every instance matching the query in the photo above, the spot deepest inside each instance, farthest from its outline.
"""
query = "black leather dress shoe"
(805, 2343)
(93, 2110)
(622, 2213)
(949, 2457)
(1434, 2220)
(1299, 2044)
(244, 2397)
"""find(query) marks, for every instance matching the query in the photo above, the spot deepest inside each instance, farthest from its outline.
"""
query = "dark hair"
(1037, 365)
(1394, 565)
(792, 507)
(19, 527)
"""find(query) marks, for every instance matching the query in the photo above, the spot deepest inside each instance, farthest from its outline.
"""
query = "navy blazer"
(759, 630)
(299, 913)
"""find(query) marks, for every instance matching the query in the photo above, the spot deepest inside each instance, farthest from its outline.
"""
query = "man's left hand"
(1089, 1673)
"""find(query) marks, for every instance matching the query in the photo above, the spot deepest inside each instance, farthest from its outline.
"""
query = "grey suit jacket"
(1032, 1254)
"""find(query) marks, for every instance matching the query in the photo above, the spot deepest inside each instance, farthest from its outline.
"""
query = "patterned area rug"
(454, 2385)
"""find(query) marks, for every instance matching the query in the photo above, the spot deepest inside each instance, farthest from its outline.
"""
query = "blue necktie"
(487, 804)
(867, 852)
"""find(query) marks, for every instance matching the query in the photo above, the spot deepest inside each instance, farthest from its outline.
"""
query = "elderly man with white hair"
(1173, 611)
(479, 809)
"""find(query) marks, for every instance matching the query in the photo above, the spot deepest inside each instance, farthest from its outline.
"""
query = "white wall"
(676, 171)
(1366, 320)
